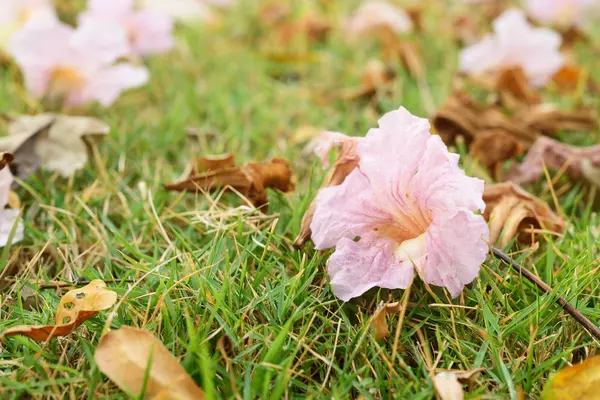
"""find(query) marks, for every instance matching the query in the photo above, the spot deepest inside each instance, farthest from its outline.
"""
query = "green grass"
(203, 271)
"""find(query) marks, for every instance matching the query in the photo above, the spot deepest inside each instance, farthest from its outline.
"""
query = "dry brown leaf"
(448, 384)
(76, 307)
(138, 363)
(251, 180)
(549, 120)
(569, 77)
(376, 76)
(212, 162)
(345, 163)
(379, 322)
(54, 142)
(511, 212)
(512, 82)
(554, 155)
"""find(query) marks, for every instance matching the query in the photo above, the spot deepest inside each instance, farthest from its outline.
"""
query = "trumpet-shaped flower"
(562, 13)
(15, 14)
(76, 66)
(8, 217)
(515, 43)
(411, 208)
(374, 15)
(149, 32)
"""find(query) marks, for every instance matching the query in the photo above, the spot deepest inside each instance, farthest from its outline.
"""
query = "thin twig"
(531, 277)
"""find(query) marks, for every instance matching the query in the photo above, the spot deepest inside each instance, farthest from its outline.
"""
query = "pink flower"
(181, 10)
(515, 43)
(374, 15)
(75, 65)
(563, 13)
(149, 32)
(411, 207)
(14, 14)
(328, 140)
(8, 217)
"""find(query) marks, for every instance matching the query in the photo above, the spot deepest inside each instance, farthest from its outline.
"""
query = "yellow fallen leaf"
(380, 319)
(138, 363)
(76, 307)
(580, 381)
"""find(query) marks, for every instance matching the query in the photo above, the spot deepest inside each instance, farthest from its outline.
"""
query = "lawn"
(220, 284)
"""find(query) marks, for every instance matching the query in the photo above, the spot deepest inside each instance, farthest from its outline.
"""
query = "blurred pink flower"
(412, 208)
(515, 43)
(14, 14)
(148, 31)
(76, 66)
(562, 13)
(376, 14)
(8, 217)
(181, 10)
(328, 140)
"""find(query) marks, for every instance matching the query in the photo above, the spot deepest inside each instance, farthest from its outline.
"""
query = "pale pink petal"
(345, 211)
(151, 32)
(377, 14)
(481, 57)
(109, 83)
(6, 179)
(181, 10)
(356, 267)
(42, 44)
(113, 8)
(8, 218)
(564, 13)
(98, 42)
(456, 247)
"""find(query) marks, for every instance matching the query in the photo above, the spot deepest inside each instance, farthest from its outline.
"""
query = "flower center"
(412, 249)
(64, 79)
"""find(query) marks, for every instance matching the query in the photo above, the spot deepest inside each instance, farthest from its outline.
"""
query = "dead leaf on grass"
(449, 384)
(76, 307)
(579, 381)
(512, 212)
(555, 156)
(345, 163)
(250, 180)
(53, 142)
(138, 363)
(379, 321)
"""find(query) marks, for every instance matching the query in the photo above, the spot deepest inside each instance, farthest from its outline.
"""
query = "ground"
(193, 272)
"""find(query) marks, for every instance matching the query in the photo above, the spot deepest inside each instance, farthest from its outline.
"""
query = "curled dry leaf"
(376, 76)
(579, 381)
(138, 363)
(448, 384)
(51, 141)
(379, 322)
(511, 212)
(251, 179)
(345, 163)
(513, 86)
(554, 155)
(76, 307)
(493, 135)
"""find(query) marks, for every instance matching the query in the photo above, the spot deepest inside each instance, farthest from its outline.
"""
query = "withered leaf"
(379, 322)
(511, 212)
(554, 155)
(579, 381)
(448, 384)
(76, 307)
(138, 363)
(512, 82)
(251, 180)
(376, 76)
(549, 120)
(345, 163)
(54, 142)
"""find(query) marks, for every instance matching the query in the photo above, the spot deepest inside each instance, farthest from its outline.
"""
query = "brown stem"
(579, 317)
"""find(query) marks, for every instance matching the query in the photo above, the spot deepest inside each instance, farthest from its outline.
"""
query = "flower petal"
(109, 83)
(356, 267)
(98, 42)
(8, 218)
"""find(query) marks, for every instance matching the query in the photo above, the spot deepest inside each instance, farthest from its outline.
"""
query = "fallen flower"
(76, 307)
(15, 14)
(53, 142)
(448, 384)
(8, 217)
(346, 162)
(412, 208)
(75, 66)
(149, 32)
(138, 363)
(250, 180)
(560, 13)
(375, 16)
(512, 213)
(554, 155)
(515, 43)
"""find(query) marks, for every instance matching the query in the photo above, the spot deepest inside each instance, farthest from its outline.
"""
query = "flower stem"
(531, 277)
